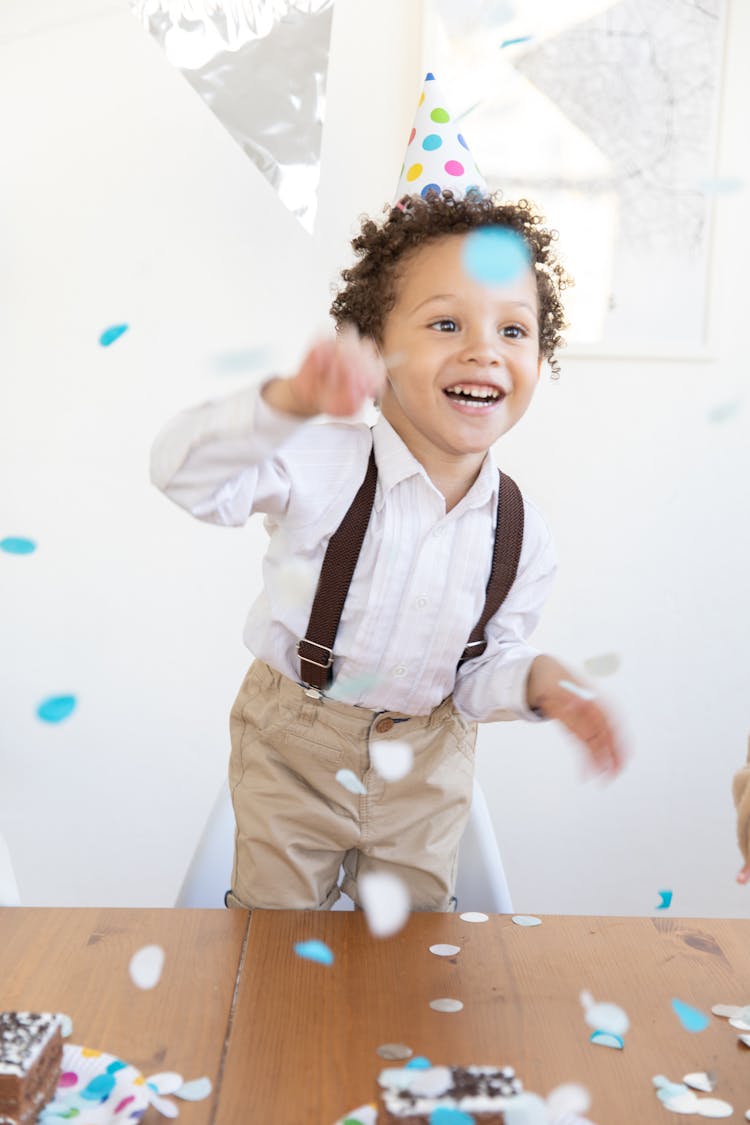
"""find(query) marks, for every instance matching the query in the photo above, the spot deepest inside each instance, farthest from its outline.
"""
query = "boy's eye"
(445, 324)
(516, 331)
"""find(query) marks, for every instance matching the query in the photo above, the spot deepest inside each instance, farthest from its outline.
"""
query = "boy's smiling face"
(466, 355)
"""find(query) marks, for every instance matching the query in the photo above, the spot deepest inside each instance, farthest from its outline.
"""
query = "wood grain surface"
(76, 961)
(304, 1036)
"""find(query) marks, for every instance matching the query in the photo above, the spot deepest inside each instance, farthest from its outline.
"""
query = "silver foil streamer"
(261, 65)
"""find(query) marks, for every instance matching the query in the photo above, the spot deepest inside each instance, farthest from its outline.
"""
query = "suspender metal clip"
(314, 644)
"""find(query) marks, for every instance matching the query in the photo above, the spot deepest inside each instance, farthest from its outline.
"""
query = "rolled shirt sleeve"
(492, 687)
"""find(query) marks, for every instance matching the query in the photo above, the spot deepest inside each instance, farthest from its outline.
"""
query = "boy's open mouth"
(476, 396)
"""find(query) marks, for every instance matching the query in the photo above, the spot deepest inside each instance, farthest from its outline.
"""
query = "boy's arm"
(218, 460)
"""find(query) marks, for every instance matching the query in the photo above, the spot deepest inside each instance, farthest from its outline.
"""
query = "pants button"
(383, 725)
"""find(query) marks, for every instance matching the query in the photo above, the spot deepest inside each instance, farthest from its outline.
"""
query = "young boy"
(454, 363)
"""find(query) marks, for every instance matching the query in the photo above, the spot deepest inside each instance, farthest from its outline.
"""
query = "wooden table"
(292, 1042)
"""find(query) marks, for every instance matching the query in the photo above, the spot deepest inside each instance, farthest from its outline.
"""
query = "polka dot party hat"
(437, 155)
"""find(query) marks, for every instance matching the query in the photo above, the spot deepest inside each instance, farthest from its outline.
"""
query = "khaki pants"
(296, 824)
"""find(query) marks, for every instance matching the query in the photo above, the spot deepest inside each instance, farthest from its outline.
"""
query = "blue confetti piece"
(419, 1062)
(519, 39)
(444, 1115)
(109, 335)
(607, 1039)
(16, 546)
(666, 900)
(495, 255)
(56, 708)
(115, 1065)
(690, 1018)
(314, 951)
(99, 1088)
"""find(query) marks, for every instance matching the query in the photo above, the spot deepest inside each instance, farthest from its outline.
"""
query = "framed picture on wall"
(605, 113)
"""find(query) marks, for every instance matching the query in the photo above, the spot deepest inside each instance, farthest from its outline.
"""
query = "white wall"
(129, 202)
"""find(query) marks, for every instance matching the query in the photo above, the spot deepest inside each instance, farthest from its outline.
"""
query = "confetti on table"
(604, 665)
(727, 1011)
(446, 1004)
(66, 1025)
(314, 951)
(14, 545)
(526, 1109)
(56, 708)
(494, 255)
(146, 966)
(109, 335)
(166, 1082)
(690, 1018)
(607, 1039)
(739, 1024)
(445, 1115)
(385, 901)
(350, 781)
(604, 1017)
(445, 950)
(392, 760)
(577, 689)
(195, 1090)
(393, 1051)
(526, 920)
(474, 916)
(706, 1083)
(419, 1062)
(570, 1098)
(744, 1039)
(666, 900)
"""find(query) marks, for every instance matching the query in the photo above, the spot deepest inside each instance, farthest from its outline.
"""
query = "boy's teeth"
(474, 392)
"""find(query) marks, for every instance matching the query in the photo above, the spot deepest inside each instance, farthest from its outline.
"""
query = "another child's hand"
(336, 377)
(586, 719)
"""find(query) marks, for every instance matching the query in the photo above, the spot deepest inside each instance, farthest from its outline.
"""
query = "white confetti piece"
(474, 916)
(146, 966)
(714, 1107)
(744, 1039)
(66, 1025)
(385, 901)
(446, 1004)
(394, 1051)
(577, 689)
(445, 950)
(195, 1090)
(432, 1083)
(166, 1082)
(526, 1109)
(604, 665)
(164, 1106)
(526, 920)
(739, 1025)
(727, 1011)
(700, 1081)
(350, 781)
(568, 1098)
(604, 1016)
(392, 760)
(682, 1103)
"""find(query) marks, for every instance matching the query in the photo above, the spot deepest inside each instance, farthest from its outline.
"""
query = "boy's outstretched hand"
(336, 377)
(578, 709)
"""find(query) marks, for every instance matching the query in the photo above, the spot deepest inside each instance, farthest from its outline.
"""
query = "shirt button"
(421, 602)
(399, 670)
(383, 725)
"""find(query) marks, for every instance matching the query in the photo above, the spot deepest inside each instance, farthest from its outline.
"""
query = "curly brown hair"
(369, 292)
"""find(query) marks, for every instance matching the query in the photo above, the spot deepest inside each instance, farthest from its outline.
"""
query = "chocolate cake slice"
(30, 1064)
(407, 1095)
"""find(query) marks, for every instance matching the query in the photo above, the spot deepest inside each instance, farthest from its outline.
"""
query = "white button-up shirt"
(419, 585)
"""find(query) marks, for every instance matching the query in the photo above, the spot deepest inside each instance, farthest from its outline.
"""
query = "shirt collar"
(396, 463)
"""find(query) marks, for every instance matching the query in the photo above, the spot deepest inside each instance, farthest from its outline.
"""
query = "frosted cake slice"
(410, 1096)
(30, 1064)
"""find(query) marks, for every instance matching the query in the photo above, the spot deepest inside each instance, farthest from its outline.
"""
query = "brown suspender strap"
(316, 650)
(505, 557)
